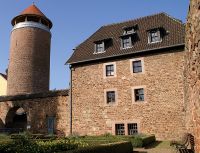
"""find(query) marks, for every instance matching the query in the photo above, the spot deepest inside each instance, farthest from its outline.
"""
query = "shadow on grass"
(153, 145)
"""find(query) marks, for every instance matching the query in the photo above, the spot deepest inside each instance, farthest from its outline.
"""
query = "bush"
(148, 140)
(23, 144)
(123, 147)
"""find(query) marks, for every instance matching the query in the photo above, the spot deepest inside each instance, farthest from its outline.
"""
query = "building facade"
(3, 84)
(127, 78)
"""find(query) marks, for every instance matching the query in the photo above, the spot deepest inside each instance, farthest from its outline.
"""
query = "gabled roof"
(4, 76)
(33, 10)
(175, 35)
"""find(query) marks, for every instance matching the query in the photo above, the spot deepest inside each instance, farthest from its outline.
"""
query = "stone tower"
(29, 62)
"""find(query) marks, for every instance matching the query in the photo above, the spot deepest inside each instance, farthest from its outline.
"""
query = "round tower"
(29, 63)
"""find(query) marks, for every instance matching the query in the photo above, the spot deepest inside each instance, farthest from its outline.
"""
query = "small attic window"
(99, 47)
(129, 31)
(154, 36)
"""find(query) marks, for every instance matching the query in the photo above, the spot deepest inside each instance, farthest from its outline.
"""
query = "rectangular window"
(139, 94)
(132, 129)
(110, 70)
(154, 36)
(137, 66)
(126, 42)
(119, 129)
(110, 96)
(99, 47)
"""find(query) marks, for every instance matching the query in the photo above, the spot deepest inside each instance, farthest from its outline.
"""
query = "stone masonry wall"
(162, 113)
(192, 71)
(38, 107)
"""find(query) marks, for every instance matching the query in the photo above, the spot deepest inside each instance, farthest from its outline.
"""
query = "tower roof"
(32, 10)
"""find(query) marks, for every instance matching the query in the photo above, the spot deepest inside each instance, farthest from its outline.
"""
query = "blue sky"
(75, 20)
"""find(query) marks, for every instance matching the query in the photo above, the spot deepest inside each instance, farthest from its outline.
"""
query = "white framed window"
(137, 66)
(99, 47)
(154, 36)
(126, 42)
(109, 70)
(126, 127)
(110, 96)
(139, 94)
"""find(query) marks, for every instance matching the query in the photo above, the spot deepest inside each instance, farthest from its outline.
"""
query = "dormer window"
(126, 42)
(99, 47)
(127, 37)
(154, 36)
(128, 31)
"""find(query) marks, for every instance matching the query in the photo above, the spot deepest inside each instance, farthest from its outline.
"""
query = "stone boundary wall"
(38, 108)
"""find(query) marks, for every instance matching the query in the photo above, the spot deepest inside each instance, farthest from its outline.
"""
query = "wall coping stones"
(52, 93)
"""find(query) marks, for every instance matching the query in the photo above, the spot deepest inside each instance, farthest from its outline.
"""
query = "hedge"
(120, 147)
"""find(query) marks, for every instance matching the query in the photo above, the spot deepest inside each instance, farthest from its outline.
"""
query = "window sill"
(154, 42)
(126, 48)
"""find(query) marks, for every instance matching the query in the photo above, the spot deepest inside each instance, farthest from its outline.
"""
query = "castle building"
(29, 53)
(3, 84)
(127, 78)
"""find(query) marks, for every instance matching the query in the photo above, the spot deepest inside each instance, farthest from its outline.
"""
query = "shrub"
(123, 147)
(148, 140)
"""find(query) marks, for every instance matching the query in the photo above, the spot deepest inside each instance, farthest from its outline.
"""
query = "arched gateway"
(16, 119)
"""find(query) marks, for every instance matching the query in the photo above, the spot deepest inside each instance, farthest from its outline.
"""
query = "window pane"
(110, 96)
(132, 129)
(119, 129)
(110, 70)
(137, 66)
(155, 36)
(139, 94)
(126, 42)
(99, 47)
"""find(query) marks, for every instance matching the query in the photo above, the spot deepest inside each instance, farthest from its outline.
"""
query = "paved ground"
(158, 147)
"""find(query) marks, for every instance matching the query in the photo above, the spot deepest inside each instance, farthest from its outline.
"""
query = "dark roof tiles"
(174, 36)
(4, 76)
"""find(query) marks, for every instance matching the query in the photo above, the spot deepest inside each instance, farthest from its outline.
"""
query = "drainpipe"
(70, 105)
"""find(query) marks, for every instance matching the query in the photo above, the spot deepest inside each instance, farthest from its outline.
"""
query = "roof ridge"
(173, 18)
(143, 17)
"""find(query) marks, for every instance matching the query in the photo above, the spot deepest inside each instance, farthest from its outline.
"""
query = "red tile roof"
(33, 10)
(175, 36)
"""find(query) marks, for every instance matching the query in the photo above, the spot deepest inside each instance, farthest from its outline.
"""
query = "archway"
(16, 119)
